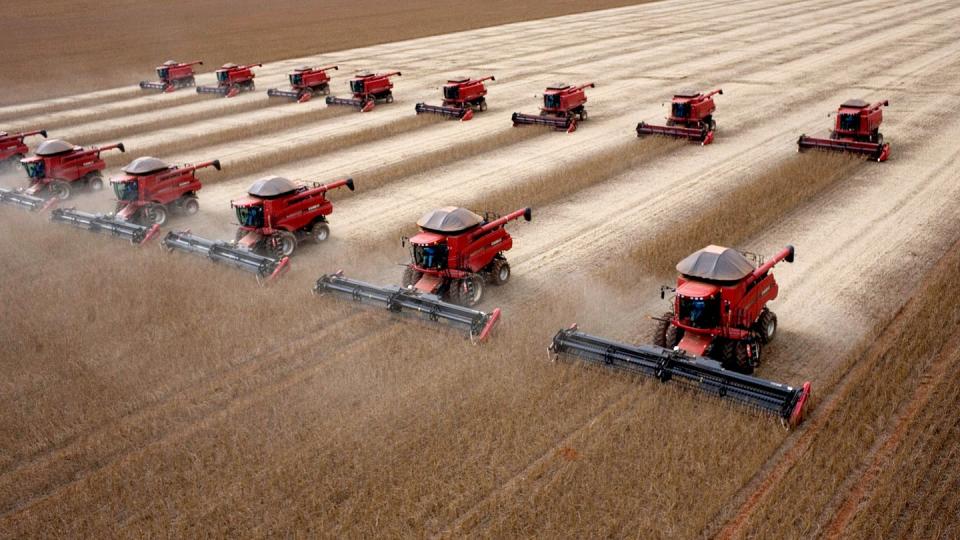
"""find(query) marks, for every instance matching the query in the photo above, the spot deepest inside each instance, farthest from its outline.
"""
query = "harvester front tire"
(155, 214)
(285, 242)
(94, 182)
(469, 291)
(501, 272)
(320, 232)
(60, 190)
(410, 277)
(742, 361)
(767, 326)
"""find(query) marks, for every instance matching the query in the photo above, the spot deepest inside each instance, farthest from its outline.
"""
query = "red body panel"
(163, 187)
(565, 100)
(12, 145)
(69, 166)
(310, 78)
(698, 107)
(740, 305)
(294, 211)
(179, 71)
(372, 85)
(468, 252)
(467, 91)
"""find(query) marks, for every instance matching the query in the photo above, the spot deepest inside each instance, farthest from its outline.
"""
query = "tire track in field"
(885, 445)
(15, 478)
(259, 391)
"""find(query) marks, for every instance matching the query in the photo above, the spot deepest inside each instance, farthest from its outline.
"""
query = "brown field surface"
(156, 394)
(62, 47)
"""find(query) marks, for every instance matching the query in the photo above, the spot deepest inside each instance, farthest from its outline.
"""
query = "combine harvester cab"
(59, 168)
(173, 75)
(462, 97)
(368, 89)
(691, 117)
(12, 147)
(278, 214)
(712, 338)
(563, 105)
(305, 82)
(857, 131)
(150, 190)
(265, 267)
(455, 253)
(231, 80)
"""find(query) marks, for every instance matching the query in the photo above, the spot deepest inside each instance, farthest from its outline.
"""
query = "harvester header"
(105, 224)
(265, 267)
(401, 300)
(857, 131)
(704, 374)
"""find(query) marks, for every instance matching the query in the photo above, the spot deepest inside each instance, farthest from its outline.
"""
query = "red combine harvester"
(173, 75)
(151, 189)
(231, 80)
(455, 253)
(305, 82)
(711, 339)
(368, 90)
(12, 147)
(691, 117)
(278, 214)
(461, 97)
(562, 106)
(59, 167)
(857, 131)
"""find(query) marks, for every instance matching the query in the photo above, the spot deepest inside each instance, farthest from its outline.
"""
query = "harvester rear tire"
(500, 272)
(766, 326)
(320, 231)
(483, 106)
(410, 277)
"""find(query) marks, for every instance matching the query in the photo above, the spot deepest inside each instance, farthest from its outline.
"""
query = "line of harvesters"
(710, 339)
(857, 128)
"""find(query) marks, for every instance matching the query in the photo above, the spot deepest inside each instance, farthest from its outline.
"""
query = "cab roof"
(52, 147)
(855, 104)
(558, 86)
(272, 186)
(145, 165)
(687, 93)
(449, 219)
(716, 263)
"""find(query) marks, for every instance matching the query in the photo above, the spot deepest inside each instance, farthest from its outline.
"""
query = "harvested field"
(156, 394)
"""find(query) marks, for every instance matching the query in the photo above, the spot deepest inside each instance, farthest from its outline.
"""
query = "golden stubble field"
(154, 394)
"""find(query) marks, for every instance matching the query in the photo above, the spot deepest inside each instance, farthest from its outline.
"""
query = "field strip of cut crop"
(273, 412)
